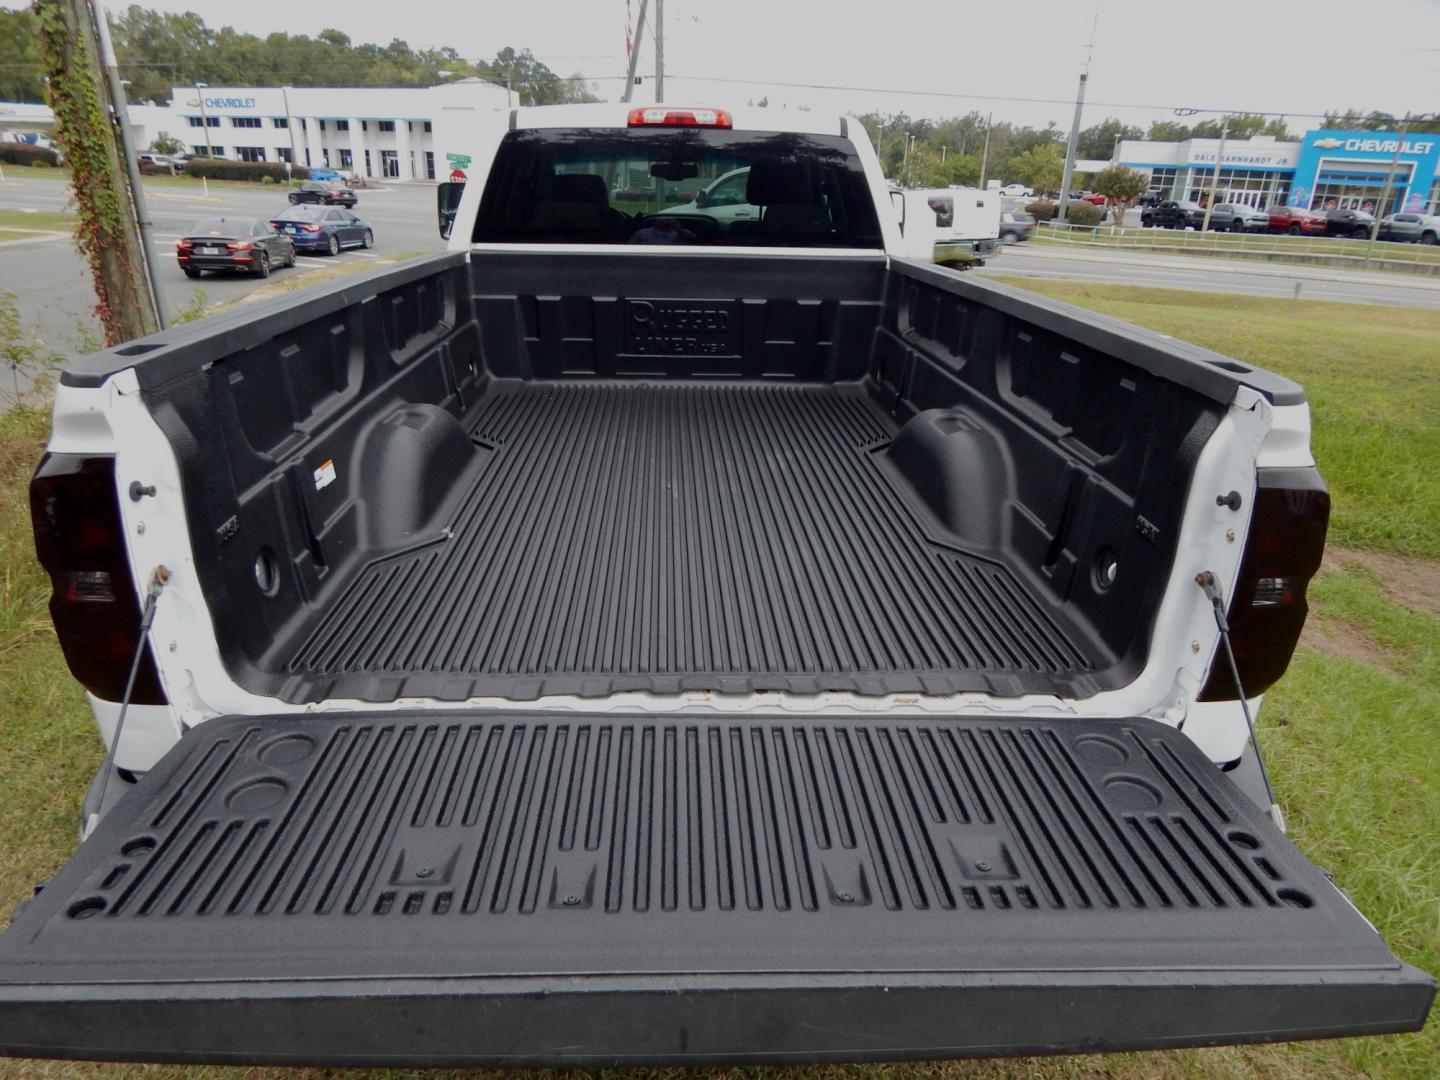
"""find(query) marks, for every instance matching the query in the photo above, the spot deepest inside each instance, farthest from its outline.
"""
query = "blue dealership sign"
(1357, 164)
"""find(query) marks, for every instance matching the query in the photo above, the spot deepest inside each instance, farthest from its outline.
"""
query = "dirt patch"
(1336, 637)
(1411, 582)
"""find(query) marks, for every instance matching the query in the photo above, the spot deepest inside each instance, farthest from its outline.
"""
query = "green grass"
(41, 219)
(1350, 732)
(1372, 377)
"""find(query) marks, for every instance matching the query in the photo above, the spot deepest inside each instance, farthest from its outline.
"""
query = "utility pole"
(1389, 185)
(985, 154)
(204, 120)
(130, 153)
(108, 233)
(635, 53)
(659, 50)
(1075, 126)
(1215, 174)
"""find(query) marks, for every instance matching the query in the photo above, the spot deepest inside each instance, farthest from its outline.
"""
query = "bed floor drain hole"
(1243, 839)
(1296, 898)
(83, 909)
(141, 845)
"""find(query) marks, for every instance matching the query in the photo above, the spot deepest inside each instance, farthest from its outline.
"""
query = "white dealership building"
(394, 133)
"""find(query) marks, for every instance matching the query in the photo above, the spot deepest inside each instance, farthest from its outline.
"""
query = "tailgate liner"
(589, 889)
(637, 536)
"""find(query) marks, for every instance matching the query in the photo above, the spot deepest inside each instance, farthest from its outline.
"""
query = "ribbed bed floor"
(662, 537)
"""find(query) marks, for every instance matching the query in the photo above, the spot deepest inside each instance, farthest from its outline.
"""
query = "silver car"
(1411, 228)
(1237, 217)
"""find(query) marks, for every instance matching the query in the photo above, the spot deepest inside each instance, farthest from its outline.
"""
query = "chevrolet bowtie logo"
(1329, 144)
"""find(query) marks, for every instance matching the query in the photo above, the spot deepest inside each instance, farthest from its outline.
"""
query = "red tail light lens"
(183, 245)
(312, 228)
(80, 542)
(663, 117)
(1267, 605)
(239, 245)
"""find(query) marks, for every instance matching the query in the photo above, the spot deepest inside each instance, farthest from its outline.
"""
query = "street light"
(204, 120)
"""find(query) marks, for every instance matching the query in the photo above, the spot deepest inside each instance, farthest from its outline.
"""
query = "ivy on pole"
(107, 233)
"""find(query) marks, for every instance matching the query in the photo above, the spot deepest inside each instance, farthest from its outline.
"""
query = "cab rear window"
(681, 187)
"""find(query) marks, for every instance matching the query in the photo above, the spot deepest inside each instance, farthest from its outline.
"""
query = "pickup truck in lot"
(632, 637)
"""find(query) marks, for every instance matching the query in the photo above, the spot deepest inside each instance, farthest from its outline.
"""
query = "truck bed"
(690, 532)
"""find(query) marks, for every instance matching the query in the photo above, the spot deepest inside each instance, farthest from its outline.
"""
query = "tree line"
(157, 50)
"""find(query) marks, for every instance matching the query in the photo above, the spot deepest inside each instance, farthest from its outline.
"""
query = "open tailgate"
(570, 889)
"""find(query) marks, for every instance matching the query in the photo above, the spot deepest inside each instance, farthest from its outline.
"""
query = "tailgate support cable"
(158, 577)
(1210, 585)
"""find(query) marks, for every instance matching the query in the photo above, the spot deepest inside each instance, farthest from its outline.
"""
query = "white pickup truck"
(638, 636)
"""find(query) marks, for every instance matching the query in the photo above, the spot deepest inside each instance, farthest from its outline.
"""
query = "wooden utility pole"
(108, 233)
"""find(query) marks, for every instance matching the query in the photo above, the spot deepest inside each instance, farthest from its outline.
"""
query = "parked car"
(329, 192)
(246, 245)
(1017, 190)
(1151, 198)
(1016, 226)
(1174, 215)
(1353, 223)
(155, 164)
(1295, 220)
(324, 228)
(722, 199)
(1096, 198)
(327, 174)
(1237, 217)
(1410, 228)
(957, 556)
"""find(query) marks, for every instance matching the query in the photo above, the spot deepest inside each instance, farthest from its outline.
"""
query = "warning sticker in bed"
(325, 475)
(681, 328)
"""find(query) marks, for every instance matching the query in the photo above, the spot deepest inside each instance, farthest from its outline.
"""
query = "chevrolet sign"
(1329, 144)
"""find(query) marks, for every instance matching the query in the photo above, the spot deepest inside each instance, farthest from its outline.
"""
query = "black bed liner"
(586, 889)
(686, 536)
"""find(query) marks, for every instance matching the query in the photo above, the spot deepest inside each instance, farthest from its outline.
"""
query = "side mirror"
(897, 200)
(447, 202)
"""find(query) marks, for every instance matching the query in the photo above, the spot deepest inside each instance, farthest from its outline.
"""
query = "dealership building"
(1324, 170)
(393, 133)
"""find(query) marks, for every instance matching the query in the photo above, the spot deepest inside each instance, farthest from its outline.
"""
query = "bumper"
(219, 262)
(968, 252)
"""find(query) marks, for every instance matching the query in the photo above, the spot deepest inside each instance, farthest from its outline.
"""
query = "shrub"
(1082, 213)
(267, 179)
(41, 163)
(1041, 210)
(25, 154)
(254, 171)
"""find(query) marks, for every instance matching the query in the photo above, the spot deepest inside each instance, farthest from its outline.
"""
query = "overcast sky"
(1149, 58)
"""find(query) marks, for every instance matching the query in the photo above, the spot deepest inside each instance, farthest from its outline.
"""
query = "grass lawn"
(19, 220)
(1351, 732)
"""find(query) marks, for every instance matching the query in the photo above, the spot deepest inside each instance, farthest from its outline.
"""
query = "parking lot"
(52, 283)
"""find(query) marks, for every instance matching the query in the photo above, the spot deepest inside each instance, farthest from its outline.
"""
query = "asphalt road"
(1217, 275)
(52, 282)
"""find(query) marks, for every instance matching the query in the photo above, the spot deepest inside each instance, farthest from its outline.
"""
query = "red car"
(1295, 220)
(1097, 199)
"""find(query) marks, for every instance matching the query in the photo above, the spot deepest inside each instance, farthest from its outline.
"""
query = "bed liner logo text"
(680, 328)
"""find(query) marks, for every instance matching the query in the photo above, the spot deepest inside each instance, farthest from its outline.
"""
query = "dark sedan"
(324, 229)
(248, 245)
(330, 193)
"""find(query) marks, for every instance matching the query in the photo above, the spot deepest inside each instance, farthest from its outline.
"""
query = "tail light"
(239, 245)
(311, 228)
(1267, 604)
(81, 544)
(183, 245)
(662, 117)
